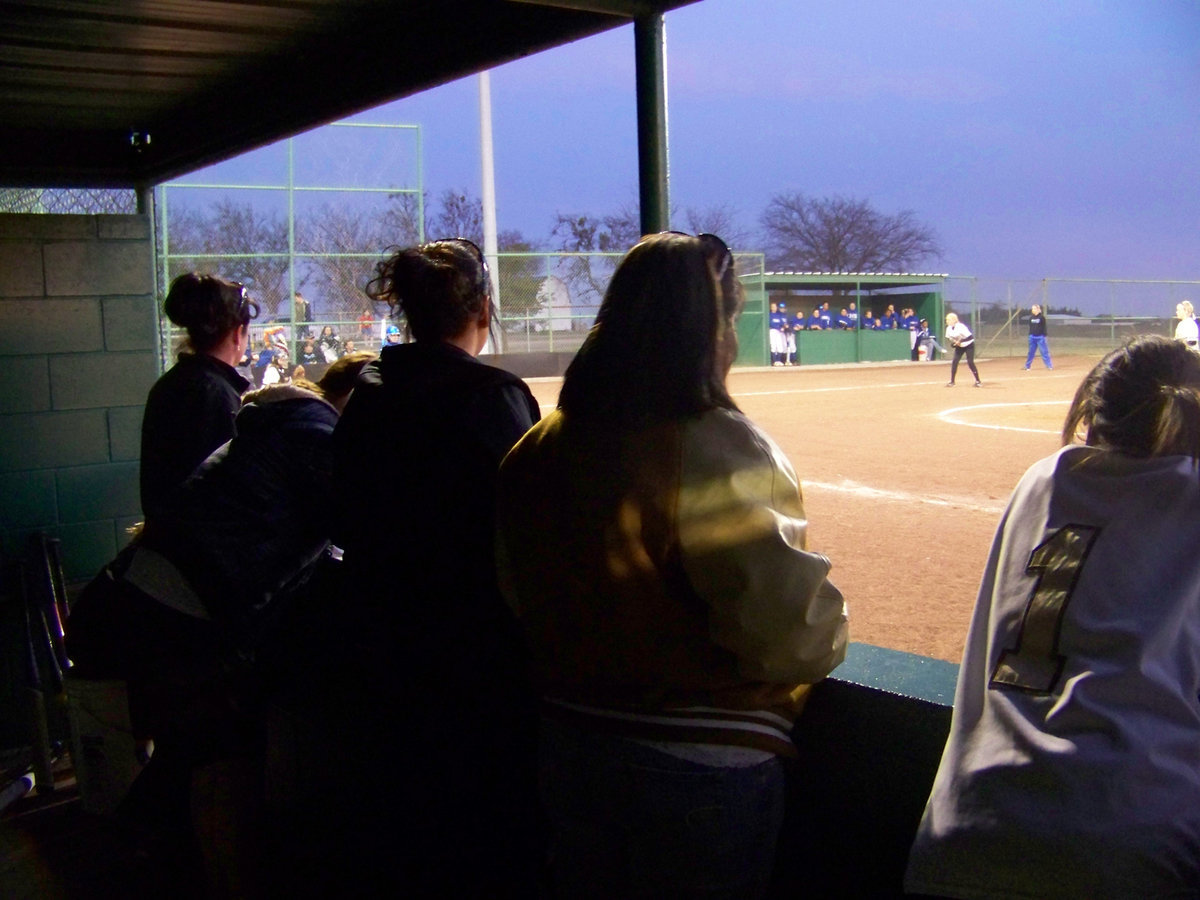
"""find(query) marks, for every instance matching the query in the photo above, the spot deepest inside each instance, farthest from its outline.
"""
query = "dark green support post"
(653, 176)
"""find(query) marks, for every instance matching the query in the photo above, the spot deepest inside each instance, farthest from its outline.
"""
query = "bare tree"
(586, 276)
(340, 233)
(401, 223)
(460, 215)
(719, 219)
(253, 242)
(838, 234)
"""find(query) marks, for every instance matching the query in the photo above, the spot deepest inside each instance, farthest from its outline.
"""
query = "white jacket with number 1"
(1073, 763)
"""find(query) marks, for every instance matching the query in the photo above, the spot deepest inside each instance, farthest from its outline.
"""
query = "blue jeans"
(1037, 343)
(629, 821)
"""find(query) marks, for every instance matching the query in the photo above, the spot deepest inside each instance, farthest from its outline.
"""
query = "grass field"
(905, 479)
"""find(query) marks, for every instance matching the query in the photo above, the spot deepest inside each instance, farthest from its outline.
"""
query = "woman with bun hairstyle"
(1071, 766)
(652, 541)
(435, 635)
(190, 410)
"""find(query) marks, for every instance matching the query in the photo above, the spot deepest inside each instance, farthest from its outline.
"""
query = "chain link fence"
(1086, 316)
(548, 301)
(61, 201)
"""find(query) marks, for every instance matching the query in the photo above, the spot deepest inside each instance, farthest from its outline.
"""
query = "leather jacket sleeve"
(742, 535)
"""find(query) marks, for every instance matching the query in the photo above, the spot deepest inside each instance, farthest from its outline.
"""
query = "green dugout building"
(869, 292)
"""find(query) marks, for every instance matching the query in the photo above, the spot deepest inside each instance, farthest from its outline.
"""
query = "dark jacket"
(422, 438)
(247, 525)
(189, 414)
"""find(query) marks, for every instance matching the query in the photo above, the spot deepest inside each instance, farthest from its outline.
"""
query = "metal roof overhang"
(131, 93)
(862, 281)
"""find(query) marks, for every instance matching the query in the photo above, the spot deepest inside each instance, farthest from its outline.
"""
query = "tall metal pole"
(649, 35)
(491, 245)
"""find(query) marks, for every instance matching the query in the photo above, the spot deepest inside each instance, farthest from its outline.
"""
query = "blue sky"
(1057, 139)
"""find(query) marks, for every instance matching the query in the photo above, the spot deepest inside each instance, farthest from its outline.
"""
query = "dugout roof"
(866, 282)
(84, 82)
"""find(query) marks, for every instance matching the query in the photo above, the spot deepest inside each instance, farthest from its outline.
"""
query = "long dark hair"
(664, 337)
(438, 287)
(1142, 399)
(208, 307)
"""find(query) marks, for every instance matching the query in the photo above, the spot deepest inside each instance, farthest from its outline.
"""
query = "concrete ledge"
(868, 757)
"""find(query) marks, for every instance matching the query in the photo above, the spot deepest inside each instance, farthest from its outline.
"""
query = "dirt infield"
(905, 479)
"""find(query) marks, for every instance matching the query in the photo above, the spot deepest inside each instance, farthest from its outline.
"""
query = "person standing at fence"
(1070, 769)
(651, 539)
(441, 654)
(1186, 332)
(1037, 338)
(301, 316)
(962, 340)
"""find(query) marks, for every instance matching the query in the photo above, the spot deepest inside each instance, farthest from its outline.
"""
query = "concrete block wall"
(78, 353)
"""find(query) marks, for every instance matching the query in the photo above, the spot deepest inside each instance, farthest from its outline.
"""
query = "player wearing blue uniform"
(1071, 767)
(777, 334)
(852, 314)
(826, 316)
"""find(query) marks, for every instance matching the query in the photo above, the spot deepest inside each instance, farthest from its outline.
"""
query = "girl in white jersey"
(1072, 769)
(1186, 331)
(960, 338)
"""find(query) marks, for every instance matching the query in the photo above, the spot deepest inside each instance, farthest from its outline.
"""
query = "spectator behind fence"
(441, 650)
(301, 316)
(309, 355)
(189, 411)
(180, 612)
(1070, 770)
(652, 542)
(329, 345)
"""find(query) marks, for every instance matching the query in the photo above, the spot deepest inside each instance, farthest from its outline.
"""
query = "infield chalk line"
(869, 493)
(950, 416)
(831, 390)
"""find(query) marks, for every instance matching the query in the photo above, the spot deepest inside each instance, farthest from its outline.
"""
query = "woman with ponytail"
(429, 632)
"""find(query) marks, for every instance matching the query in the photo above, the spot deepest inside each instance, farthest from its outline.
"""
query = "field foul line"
(830, 390)
(869, 493)
(949, 416)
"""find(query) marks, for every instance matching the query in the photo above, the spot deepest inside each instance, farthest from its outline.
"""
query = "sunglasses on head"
(485, 284)
(247, 308)
(716, 247)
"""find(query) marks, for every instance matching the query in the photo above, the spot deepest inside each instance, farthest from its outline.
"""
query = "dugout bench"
(870, 741)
